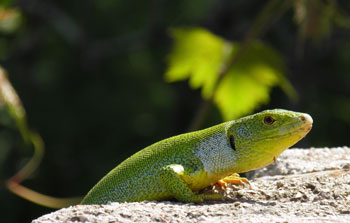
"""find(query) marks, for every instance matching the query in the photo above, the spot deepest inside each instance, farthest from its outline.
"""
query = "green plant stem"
(13, 105)
(34, 162)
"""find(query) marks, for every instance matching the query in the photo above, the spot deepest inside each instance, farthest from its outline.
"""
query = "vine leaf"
(196, 55)
(200, 56)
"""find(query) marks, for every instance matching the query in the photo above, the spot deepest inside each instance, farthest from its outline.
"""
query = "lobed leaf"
(199, 56)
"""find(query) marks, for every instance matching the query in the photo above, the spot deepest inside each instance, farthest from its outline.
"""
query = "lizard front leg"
(171, 178)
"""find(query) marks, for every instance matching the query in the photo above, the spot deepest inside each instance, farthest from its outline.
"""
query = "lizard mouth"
(305, 128)
(300, 128)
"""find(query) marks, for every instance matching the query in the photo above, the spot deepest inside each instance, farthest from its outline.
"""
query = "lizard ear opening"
(232, 142)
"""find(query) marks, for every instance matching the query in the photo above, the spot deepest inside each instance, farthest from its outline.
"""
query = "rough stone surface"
(302, 186)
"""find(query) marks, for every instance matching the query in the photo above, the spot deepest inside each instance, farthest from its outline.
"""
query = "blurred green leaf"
(10, 20)
(199, 56)
(247, 84)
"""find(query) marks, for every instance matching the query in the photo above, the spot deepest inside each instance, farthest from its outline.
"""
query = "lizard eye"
(268, 120)
(232, 142)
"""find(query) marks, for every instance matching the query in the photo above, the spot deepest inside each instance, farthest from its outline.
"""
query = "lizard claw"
(233, 179)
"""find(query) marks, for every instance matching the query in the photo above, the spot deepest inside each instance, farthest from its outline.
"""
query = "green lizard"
(180, 166)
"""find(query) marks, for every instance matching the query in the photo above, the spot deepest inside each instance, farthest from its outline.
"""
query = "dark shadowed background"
(90, 75)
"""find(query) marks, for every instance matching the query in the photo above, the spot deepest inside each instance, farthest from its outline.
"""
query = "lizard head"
(259, 139)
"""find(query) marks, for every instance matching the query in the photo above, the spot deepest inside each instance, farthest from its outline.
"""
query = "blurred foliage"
(90, 77)
(10, 20)
(316, 18)
(200, 56)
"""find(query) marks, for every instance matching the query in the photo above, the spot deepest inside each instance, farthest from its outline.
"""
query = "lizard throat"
(216, 155)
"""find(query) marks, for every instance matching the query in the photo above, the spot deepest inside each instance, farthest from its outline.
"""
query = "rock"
(302, 186)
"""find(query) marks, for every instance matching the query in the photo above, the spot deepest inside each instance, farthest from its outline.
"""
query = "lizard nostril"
(306, 119)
